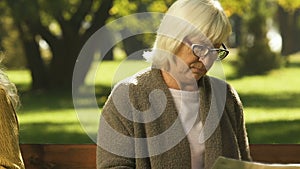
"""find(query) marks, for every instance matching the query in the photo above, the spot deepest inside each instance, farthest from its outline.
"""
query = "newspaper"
(227, 163)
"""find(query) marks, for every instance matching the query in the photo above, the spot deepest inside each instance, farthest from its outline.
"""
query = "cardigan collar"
(209, 115)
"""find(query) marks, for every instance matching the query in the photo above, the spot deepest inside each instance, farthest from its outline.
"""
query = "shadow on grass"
(278, 100)
(237, 74)
(55, 100)
(292, 64)
(52, 133)
(85, 98)
(63, 100)
(46, 100)
(282, 132)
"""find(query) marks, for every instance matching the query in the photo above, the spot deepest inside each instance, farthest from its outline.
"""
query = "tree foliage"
(289, 5)
(239, 7)
(11, 53)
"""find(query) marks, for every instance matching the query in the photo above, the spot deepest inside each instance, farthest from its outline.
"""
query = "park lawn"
(51, 126)
(49, 118)
(271, 104)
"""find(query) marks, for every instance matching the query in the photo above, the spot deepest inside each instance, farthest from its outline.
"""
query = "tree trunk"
(65, 53)
(289, 30)
(133, 46)
(34, 60)
(236, 28)
(109, 42)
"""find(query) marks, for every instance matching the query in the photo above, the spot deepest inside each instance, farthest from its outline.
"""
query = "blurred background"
(40, 41)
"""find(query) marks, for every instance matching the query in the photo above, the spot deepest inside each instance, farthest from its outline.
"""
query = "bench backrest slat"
(83, 156)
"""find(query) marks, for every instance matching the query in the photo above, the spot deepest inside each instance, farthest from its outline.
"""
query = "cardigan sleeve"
(10, 154)
(241, 128)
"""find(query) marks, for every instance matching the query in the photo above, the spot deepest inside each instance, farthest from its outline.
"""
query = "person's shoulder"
(143, 78)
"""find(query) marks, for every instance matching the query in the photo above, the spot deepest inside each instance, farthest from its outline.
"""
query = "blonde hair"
(9, 88)
(185, 18)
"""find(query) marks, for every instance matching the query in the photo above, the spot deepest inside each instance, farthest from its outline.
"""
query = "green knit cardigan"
(229, 138)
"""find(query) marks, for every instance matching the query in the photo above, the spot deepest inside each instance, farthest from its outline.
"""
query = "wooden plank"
(59, 156)
(83, 156)
(276, 153)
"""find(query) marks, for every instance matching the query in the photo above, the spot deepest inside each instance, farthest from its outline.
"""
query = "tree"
(65, 25)
(255, 56)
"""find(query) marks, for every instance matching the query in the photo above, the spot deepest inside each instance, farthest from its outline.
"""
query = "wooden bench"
(83, 156)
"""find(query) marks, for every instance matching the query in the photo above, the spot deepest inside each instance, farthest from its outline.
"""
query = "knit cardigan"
(10, 154)
(228, 139)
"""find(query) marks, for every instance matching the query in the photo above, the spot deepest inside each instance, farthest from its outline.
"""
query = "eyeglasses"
(202, 51)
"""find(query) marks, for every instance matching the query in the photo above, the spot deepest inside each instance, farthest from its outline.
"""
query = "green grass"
(49, 118)
(271, 104)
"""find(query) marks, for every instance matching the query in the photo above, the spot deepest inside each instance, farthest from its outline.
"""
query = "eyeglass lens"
(203, 51)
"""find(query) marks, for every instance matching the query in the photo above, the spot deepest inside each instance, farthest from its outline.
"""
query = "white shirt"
(187, 104)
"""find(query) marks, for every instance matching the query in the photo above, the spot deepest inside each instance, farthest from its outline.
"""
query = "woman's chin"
(198, 76)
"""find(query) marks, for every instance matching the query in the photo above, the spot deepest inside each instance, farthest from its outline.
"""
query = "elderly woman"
(10, 154)
(173, 115)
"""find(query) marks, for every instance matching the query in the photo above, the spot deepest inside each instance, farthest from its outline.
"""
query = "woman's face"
(198, 67)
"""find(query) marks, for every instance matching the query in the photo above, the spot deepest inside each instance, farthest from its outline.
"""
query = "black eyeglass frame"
(210, 50)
